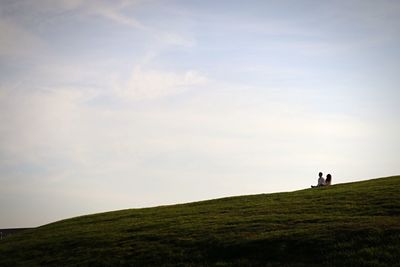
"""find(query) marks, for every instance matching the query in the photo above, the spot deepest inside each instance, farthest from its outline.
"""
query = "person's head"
(320, 174)
(328, 177)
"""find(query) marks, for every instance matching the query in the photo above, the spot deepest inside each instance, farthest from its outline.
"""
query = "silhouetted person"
(321, 180)
(328, 180)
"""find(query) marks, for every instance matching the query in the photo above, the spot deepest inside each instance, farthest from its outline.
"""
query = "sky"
(108, 105)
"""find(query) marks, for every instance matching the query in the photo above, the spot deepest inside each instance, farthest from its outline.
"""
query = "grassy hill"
(354, 224)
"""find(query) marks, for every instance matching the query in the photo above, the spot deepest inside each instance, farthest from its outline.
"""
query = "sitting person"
(321, 181)
(328, 180)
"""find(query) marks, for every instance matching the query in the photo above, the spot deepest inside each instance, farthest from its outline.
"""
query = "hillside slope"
(354, 224)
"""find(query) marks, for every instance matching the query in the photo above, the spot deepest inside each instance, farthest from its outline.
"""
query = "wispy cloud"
(114, 12)
(150, 84)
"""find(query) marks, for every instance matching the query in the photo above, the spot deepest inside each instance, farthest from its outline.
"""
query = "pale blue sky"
(107, 105)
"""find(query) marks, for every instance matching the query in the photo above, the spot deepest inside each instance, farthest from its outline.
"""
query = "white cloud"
(170, 38)
(149, 84)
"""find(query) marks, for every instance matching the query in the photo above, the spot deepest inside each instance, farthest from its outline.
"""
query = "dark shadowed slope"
(7, 232)
(355, 224)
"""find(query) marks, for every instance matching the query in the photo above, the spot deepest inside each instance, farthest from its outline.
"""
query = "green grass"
(354, 224)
